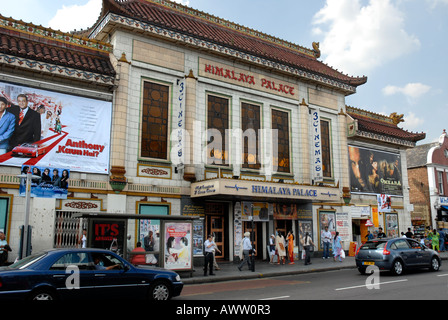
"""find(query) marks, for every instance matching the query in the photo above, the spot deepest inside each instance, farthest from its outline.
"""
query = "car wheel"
(159, 291)
(43, 295)
(397, 268)
(435, 264)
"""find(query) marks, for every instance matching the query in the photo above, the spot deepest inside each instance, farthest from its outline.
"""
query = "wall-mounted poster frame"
(177, 245)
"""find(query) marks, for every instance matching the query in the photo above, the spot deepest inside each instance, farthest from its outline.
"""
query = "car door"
(422, 254)
(72, 276)
(114, 278)
(404, 250)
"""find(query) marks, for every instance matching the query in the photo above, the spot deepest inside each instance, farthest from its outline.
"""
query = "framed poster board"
(177, 245)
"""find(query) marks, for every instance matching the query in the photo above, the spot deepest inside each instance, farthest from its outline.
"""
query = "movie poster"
(46, 182)
(178, 245)
(373, 171)
(58, 130)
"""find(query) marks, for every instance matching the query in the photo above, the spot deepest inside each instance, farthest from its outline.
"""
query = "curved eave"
(112, 21)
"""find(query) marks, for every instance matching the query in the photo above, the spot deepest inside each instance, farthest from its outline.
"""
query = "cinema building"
(225, 123)
(206, 118)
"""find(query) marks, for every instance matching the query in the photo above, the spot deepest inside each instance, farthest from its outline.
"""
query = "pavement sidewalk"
(263, 269)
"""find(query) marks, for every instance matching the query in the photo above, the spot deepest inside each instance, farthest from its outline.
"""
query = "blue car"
(85, 274)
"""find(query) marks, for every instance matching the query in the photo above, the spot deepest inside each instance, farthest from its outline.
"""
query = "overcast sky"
(400, 45)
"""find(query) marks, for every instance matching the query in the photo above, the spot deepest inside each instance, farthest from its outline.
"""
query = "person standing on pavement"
(246, 249)
(337, 247)
(435, 240)
(209, 248)
(280, 246)
(381, 234)
(326, 240)
(272, 248)
(290, 239)
(307, 242)
(442, 239)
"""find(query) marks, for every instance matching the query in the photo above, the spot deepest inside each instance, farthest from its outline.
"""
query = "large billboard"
(373, 171)
(58, 130)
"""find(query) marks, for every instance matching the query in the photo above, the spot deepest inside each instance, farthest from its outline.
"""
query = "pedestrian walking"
(308, 245)
(272, 248)
(245, 251)
(290, 239)
(209, 247)
(280, 246)
(435, 237)
(442, 239)
(337, 247)
(326, 241)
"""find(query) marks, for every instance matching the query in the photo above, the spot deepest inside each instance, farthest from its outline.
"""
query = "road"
(332, 285)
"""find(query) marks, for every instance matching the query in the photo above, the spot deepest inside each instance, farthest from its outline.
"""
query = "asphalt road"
(332, 285)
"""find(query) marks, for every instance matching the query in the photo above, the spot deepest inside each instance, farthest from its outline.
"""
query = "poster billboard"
(107, 234)
(373, 171)
(46, 182)
(178, 245)
(58, 130)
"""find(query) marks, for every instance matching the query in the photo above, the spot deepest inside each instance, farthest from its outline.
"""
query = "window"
(250, 125)
(280, 122)
(400, 244)
(154, 129)
(77, 259)
(217, 125)
(326, 148)
(4, 210)
(440, 182)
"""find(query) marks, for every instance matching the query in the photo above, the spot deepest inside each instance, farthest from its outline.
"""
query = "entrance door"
(247, 227)
(216, 214)
(217, 229)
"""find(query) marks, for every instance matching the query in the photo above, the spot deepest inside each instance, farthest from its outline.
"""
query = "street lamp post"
(25, 234)
(252, 256)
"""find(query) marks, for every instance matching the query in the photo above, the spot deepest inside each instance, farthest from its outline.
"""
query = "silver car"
(396, 255)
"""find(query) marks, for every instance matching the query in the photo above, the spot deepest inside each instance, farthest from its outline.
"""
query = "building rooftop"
(184, 20)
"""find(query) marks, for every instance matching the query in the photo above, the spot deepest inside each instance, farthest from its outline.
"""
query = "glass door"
(217, 230)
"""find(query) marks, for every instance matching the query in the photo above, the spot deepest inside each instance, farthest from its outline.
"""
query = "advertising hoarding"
(73, 131)
(373, 171)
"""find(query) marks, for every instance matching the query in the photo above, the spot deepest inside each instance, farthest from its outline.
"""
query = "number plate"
(368, 263)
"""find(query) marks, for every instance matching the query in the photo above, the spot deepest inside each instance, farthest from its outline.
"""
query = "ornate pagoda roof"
(26, 45)
(179, 21)
(380, 127)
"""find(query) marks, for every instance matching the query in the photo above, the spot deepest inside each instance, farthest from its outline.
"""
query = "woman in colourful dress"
(290, 239)
(337, 247)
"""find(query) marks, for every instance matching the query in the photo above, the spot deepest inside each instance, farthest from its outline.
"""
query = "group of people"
(283, 248)
(432, 238)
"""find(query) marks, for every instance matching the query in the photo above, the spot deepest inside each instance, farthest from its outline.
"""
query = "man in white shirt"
(209, 249)
(326, 240)
(246, 247)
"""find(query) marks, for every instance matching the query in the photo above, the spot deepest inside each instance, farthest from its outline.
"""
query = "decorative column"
(345, 174)
(117, 178)
(190, 117)
(305, 152)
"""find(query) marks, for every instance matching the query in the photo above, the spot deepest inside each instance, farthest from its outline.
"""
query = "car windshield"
(27, 261)
(373, 245)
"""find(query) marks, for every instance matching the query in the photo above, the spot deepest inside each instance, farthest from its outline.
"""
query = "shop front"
(233, 207)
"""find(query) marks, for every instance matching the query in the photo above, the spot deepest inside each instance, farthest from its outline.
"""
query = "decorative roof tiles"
(27, 45)
(174, 17)
(380, 125)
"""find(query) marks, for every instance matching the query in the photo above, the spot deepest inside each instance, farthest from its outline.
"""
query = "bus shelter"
(173, 251)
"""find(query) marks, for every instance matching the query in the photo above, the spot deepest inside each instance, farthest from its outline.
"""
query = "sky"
(400, 45)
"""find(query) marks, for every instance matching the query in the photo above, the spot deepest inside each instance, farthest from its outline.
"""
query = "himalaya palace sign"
(229, 187)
